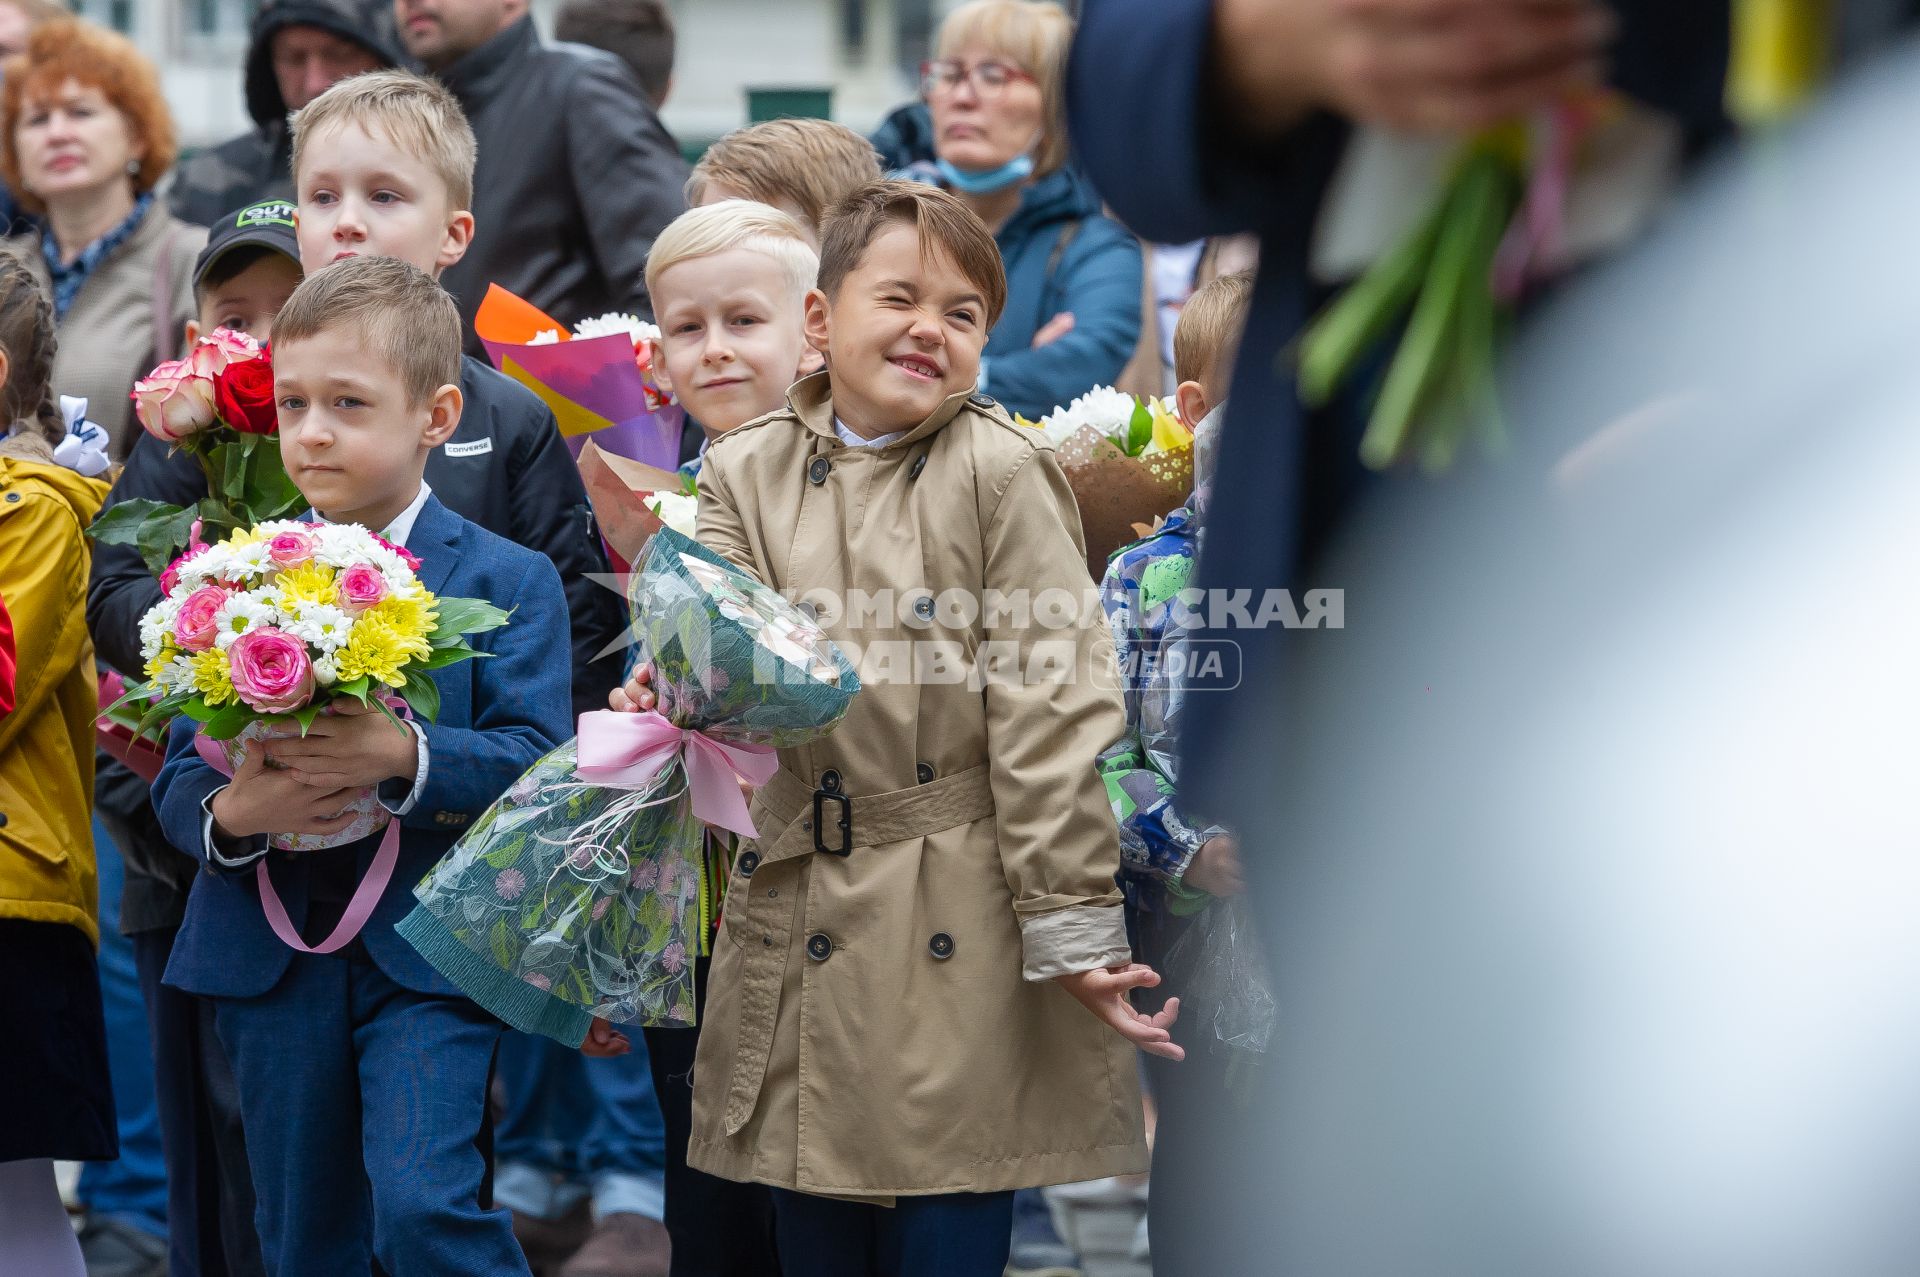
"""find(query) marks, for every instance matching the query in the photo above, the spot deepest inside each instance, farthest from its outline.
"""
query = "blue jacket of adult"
(1177, 170)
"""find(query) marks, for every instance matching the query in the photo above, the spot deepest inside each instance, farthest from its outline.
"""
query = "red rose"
(243, 394)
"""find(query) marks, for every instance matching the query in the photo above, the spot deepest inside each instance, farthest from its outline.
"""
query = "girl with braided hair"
(53, 1069)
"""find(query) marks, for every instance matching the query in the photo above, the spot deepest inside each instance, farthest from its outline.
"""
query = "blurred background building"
(851, 59)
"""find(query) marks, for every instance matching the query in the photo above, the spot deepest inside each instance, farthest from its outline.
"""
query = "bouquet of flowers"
(217, 405)
(598, 378)
(632, 500)
(1129, 461)
(261, 633)
(1222, 970)
(582, 893)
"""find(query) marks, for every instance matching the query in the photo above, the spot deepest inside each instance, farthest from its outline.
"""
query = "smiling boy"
(892, 1019)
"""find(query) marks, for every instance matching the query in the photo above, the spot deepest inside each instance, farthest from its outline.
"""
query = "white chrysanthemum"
(240, 613)
(545, 337)
(677, 510)
(155, 626)
(617, 322)
(322, 626)
(326, 671)
(213, 563)
(344, 544)
(1105, 409)
(248, 563)
(176, 675)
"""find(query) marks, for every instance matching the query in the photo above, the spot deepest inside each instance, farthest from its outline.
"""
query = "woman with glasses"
(999, 141)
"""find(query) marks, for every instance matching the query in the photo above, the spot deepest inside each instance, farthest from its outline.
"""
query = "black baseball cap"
(268, 224)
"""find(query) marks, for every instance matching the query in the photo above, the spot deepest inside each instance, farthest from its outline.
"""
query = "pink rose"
(361, 587)
(194, 625)
(406, 556)
(212, 354)
(271, 671)
(292, 549)
(171, 577)
(174, 401)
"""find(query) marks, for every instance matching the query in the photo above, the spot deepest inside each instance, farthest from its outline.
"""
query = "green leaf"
(120, 524)
(460, 617)
(305, 716)
(228, 722)
(198, 710)
(230, 463)
(423, 694)
(1139, 430)
(356, 688)
(1366, 310)
(445, 656)
(501, 942)
(380, 703)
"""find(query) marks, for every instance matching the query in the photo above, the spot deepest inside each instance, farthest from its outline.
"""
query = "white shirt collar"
(853, 440)
(402, 526)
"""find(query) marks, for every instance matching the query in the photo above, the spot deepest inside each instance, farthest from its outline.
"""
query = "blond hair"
(1034, 35)
(1205, 339)
(417, 115)
(810, 164)
(400, 315)
(715, 228)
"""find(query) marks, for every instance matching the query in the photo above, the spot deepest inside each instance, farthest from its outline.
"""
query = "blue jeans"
(948, 1235)
(578, 1128)
(134, 1188)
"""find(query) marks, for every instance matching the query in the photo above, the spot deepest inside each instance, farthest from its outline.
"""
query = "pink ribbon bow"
(632, 749)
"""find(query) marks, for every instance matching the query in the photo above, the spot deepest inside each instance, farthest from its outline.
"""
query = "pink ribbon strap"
(365, 896)
(632, 749)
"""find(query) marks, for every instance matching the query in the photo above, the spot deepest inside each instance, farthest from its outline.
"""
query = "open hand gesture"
(1105, 994)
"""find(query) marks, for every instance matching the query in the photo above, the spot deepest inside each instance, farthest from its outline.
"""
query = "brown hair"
(418, 115)
(26, 335)
(1034, 35)
(402, 317)
(63, 49)
(810, 164)
(1205, 339)
(638, 32)
(944, 224)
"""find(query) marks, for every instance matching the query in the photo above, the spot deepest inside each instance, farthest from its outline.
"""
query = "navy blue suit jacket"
(1175, 169)
(498, 714)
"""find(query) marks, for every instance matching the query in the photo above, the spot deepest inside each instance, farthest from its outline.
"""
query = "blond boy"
(801, 167)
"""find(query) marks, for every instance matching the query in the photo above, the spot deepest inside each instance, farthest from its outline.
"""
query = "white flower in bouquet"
(1105, 409)
(678, 510)
(240, 613)
(617, 322)
(545, 337)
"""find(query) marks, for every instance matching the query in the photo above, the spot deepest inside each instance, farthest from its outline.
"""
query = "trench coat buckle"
(844, 821)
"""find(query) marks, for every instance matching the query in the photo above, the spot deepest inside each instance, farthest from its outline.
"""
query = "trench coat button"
(13, 496)
(767, 941)
(924, 771)
(983, 401)
(817, 472)
(941, 946)
(923, 607)
(830, 781)
(3, 820)
(819, 947)
(749, 862)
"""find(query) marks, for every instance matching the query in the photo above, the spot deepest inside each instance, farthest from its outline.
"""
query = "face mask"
(987, 181)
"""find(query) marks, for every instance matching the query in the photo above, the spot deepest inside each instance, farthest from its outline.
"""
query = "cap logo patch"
(270, 213)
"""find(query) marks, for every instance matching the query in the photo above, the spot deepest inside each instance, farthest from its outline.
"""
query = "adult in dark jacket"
(1073, 275)
(1253, 105)
(576, 173)
(299, 49)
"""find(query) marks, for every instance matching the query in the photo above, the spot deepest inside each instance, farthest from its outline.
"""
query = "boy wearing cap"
(245, 274)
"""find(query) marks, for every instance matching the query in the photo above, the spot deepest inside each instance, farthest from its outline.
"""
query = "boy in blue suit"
(362, 1074)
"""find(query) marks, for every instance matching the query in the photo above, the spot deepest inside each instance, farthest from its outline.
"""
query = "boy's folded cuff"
(1081, 938)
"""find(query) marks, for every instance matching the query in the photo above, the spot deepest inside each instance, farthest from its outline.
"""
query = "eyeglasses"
(989, 79)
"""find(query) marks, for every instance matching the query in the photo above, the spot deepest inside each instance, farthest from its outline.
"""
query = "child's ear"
(657, 366)
(1190, 403)
(811, 362)
(443, 414)
(192, 330)
(819, 322)
(454, 245)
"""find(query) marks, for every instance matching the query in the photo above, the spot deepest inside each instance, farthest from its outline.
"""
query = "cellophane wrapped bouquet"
(263, 632)
(582, 892)
(1221, 970)
(1128, 460)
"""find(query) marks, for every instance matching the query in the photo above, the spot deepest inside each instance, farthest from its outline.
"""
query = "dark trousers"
(718, 1228)
(209, 1191)
(949, 1235)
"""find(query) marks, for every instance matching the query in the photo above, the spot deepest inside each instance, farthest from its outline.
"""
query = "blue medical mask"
(986, 181)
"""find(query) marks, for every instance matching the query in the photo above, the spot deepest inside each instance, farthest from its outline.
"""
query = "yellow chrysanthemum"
(241, 537)
(309, 583)
(378, 651)
(410, 614)
(163, 658)
(211, 677)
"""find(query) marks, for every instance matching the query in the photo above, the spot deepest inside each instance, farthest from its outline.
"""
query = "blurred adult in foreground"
(85, 137)
(994, 89)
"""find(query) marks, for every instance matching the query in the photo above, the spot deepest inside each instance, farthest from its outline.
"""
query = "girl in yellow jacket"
(53, 1066)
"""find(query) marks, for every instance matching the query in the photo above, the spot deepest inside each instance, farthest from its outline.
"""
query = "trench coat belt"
(765, 923)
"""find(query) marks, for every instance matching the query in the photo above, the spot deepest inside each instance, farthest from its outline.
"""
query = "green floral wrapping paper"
(568, 901)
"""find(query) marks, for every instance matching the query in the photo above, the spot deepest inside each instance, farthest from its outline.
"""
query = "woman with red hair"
(85, 136)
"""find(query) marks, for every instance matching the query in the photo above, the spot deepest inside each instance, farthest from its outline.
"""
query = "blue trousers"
(134, 1188)
(575, 1127)
(949, 1235)
(364, 1103)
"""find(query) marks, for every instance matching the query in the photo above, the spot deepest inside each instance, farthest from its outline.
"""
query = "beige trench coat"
(884, 1023)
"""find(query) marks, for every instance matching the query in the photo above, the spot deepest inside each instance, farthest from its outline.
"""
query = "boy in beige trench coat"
(892, 1039)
